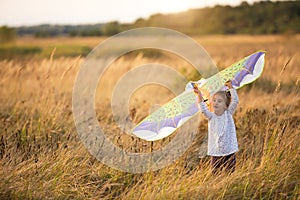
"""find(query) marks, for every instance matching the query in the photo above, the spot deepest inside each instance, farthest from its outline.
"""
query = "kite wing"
(164, 121)
(243, 72)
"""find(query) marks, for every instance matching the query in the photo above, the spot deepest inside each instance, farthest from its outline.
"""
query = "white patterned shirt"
(222, 139)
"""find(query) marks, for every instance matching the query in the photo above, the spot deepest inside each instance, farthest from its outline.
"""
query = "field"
(42, 157)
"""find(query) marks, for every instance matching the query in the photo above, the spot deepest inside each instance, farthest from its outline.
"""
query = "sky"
(35, 12)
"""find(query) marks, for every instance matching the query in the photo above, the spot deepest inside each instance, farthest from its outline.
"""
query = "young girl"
(222, 141)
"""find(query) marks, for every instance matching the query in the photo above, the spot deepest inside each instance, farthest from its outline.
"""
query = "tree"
(7, 34)
(111, 28)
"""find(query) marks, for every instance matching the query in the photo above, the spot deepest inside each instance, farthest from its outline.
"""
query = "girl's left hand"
(229, 84)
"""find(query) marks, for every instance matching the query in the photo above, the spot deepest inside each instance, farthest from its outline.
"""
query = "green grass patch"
(66, 51)
(15, 52)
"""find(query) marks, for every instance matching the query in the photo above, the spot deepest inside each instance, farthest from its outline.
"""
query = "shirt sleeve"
(204, 110)
(234, 101)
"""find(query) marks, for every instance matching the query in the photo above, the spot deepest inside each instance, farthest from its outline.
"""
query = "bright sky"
(35, 12)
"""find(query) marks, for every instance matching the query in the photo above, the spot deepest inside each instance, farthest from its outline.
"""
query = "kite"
(164, 121)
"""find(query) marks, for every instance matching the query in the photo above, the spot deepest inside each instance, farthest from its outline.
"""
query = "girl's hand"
(229, 84)
(199, 94)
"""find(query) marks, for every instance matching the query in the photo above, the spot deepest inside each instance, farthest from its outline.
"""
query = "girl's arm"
(204, 110)
(234, 101)
(201, 104)
(234, 98)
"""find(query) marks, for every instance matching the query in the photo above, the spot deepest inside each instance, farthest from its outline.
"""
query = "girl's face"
(219, 104)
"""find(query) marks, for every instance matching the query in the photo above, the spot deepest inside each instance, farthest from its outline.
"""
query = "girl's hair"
(225, 95)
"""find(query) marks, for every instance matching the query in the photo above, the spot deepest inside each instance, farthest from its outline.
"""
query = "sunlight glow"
(33, 12)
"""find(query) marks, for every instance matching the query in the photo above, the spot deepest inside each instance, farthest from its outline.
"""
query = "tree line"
(263, 17)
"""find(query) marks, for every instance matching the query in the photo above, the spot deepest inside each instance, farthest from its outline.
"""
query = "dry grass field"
(41, 156)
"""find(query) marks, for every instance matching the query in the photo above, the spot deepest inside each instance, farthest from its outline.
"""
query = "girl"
(222, 141)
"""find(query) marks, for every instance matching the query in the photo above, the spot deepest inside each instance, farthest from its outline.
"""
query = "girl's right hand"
(198, 94)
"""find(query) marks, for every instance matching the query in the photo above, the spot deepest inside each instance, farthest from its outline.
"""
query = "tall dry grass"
(43, 158)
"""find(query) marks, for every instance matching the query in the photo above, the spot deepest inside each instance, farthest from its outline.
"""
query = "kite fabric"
(164, 121)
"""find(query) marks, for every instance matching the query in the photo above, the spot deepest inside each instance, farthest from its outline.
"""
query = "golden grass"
(42, 157)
